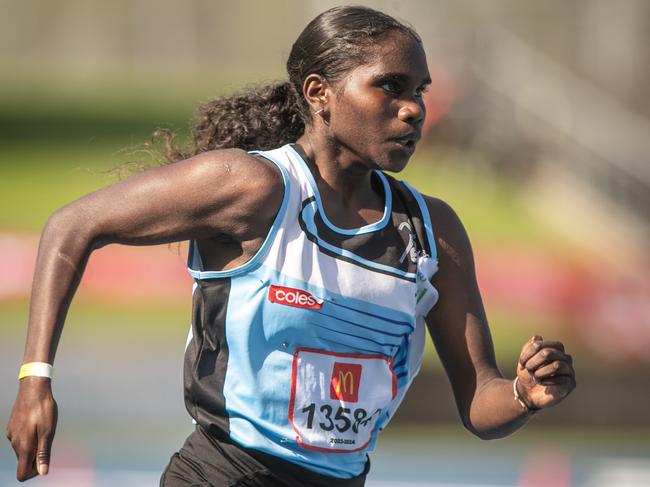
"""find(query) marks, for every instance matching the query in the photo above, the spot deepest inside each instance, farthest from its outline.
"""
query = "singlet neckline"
(370, 227)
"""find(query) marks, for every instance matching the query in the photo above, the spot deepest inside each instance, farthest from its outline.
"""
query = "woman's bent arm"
(226, 192)
(458, 325)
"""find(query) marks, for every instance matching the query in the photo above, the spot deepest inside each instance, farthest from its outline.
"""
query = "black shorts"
(207, 461)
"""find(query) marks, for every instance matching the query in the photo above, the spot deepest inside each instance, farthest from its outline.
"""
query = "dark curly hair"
(266, 117)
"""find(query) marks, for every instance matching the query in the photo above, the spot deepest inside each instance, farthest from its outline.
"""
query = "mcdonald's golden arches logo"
(346, 379)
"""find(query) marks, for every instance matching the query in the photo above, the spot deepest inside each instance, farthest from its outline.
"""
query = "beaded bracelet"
(518, 398)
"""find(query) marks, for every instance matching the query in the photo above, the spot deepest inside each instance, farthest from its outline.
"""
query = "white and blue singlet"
(305, 351)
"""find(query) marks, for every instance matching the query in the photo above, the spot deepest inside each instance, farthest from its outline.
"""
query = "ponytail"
(262, 118)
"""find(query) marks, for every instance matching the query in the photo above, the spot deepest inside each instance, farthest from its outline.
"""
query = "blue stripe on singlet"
(383, 332)
(344, 347)
(374, 315)
(353, 335)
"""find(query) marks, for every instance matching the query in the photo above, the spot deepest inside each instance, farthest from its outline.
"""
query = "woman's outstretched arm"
(216, 193)
(459, 328)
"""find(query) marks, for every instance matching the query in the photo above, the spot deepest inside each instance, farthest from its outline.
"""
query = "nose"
(412, 111)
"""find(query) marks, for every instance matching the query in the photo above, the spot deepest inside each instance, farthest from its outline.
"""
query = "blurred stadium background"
(538, 134)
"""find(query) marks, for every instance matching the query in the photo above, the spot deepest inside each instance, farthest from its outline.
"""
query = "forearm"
(494, 412)
(64, 248)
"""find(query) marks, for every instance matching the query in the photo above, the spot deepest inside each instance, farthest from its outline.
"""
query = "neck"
(345, 183)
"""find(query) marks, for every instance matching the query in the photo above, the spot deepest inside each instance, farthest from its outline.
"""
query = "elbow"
(472, 429)
(70, 227)
(487, 434)
(482, 432)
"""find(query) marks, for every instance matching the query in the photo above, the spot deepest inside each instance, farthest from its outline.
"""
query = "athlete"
(315, 274)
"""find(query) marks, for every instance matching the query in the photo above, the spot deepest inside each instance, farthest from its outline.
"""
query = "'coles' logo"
(294, 297)
(345, 382)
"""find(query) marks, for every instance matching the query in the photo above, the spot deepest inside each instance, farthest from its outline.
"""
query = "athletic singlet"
(305, 351)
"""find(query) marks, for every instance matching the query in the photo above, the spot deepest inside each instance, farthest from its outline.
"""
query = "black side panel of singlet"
(411, 206)
(206, 357)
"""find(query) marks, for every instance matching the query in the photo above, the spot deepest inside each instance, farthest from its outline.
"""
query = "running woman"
(315, 274)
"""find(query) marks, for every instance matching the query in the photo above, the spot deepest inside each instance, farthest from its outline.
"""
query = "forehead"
(397, 53)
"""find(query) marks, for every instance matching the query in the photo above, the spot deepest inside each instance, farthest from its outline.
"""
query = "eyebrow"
(399, 77)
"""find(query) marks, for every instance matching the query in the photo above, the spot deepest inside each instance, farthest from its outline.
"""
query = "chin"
(393, 162)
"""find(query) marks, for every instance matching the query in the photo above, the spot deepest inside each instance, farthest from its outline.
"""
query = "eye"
(391, 87)
(421, 91)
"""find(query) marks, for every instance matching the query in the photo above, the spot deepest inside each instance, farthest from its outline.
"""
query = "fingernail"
(43, 468)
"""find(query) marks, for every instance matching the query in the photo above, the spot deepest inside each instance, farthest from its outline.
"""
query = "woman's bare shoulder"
(451, 237)
(248, 188)
(236, 167)
(443, 217)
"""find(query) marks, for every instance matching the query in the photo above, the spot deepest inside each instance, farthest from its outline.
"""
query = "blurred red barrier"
(608, 309)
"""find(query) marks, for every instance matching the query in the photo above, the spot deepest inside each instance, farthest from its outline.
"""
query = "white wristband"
(35, 369)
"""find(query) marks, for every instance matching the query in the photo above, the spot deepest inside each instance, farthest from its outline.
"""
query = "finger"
(530, 348)
(551, 344)
(43, 461)
(25, 469)
(43, 453)
(567, 382)
(544, 357)
(554, 368)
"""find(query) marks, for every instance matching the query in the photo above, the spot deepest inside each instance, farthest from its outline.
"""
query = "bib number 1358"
(343, 420)
(336, 399)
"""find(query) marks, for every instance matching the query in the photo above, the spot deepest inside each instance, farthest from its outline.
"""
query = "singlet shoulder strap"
(418, 213)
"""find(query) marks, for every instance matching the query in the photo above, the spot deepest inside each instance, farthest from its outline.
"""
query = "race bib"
(337, 398)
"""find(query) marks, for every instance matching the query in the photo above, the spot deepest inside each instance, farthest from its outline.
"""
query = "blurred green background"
(537, 135)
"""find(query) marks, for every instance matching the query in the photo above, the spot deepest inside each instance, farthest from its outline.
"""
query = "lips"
(407, 141)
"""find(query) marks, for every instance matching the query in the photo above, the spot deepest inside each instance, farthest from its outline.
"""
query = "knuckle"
(43, 456)
(45, 432)
(25, 476)
(21, 450)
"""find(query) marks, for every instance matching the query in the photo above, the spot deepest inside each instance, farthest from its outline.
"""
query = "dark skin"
(227, 200)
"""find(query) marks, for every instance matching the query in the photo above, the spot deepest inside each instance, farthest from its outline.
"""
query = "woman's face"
(376, 111)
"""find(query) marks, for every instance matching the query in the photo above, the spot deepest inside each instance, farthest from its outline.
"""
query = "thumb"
(43, 452)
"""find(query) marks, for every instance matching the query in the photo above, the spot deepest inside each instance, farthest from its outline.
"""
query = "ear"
(316, 91)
